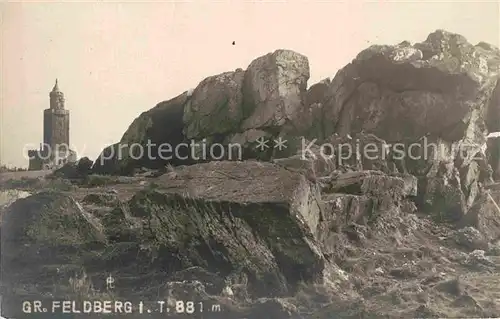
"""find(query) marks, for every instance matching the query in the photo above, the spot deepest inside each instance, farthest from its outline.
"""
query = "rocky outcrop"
(431, 99)
(440, 94)
(232, 108)
(433, 87)
(328, 226)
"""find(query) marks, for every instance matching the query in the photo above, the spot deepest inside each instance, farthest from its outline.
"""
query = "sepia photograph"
(287, 159)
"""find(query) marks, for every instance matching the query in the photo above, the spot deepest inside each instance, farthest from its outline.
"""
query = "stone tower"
(55, 150)
(56, 120)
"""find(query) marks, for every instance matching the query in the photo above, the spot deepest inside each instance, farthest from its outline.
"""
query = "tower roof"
(56, 87)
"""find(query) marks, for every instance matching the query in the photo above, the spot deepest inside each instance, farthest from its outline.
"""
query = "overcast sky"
(115, 60)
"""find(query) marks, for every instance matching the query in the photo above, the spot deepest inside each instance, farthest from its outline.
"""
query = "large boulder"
(215, 106)
(76, 170)
(274, 89)
(272, 213)
(274, 93)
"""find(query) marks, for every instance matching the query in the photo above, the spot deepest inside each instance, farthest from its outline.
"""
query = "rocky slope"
(314, 230)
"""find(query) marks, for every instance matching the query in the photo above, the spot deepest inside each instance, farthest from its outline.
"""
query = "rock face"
(274, 88)
(160, 125)
(484, 216)
(272, 217)
(433, 99)
(215, 106)
(442, 86)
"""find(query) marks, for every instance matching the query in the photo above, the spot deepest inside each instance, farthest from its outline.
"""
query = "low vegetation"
(5, 169)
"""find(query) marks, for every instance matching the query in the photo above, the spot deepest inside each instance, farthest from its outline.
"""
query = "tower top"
(56, 97)
(56, 87)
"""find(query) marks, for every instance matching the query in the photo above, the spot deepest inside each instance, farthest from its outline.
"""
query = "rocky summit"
(373, 194)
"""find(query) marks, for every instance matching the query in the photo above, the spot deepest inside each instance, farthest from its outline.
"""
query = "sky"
(115, 60)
